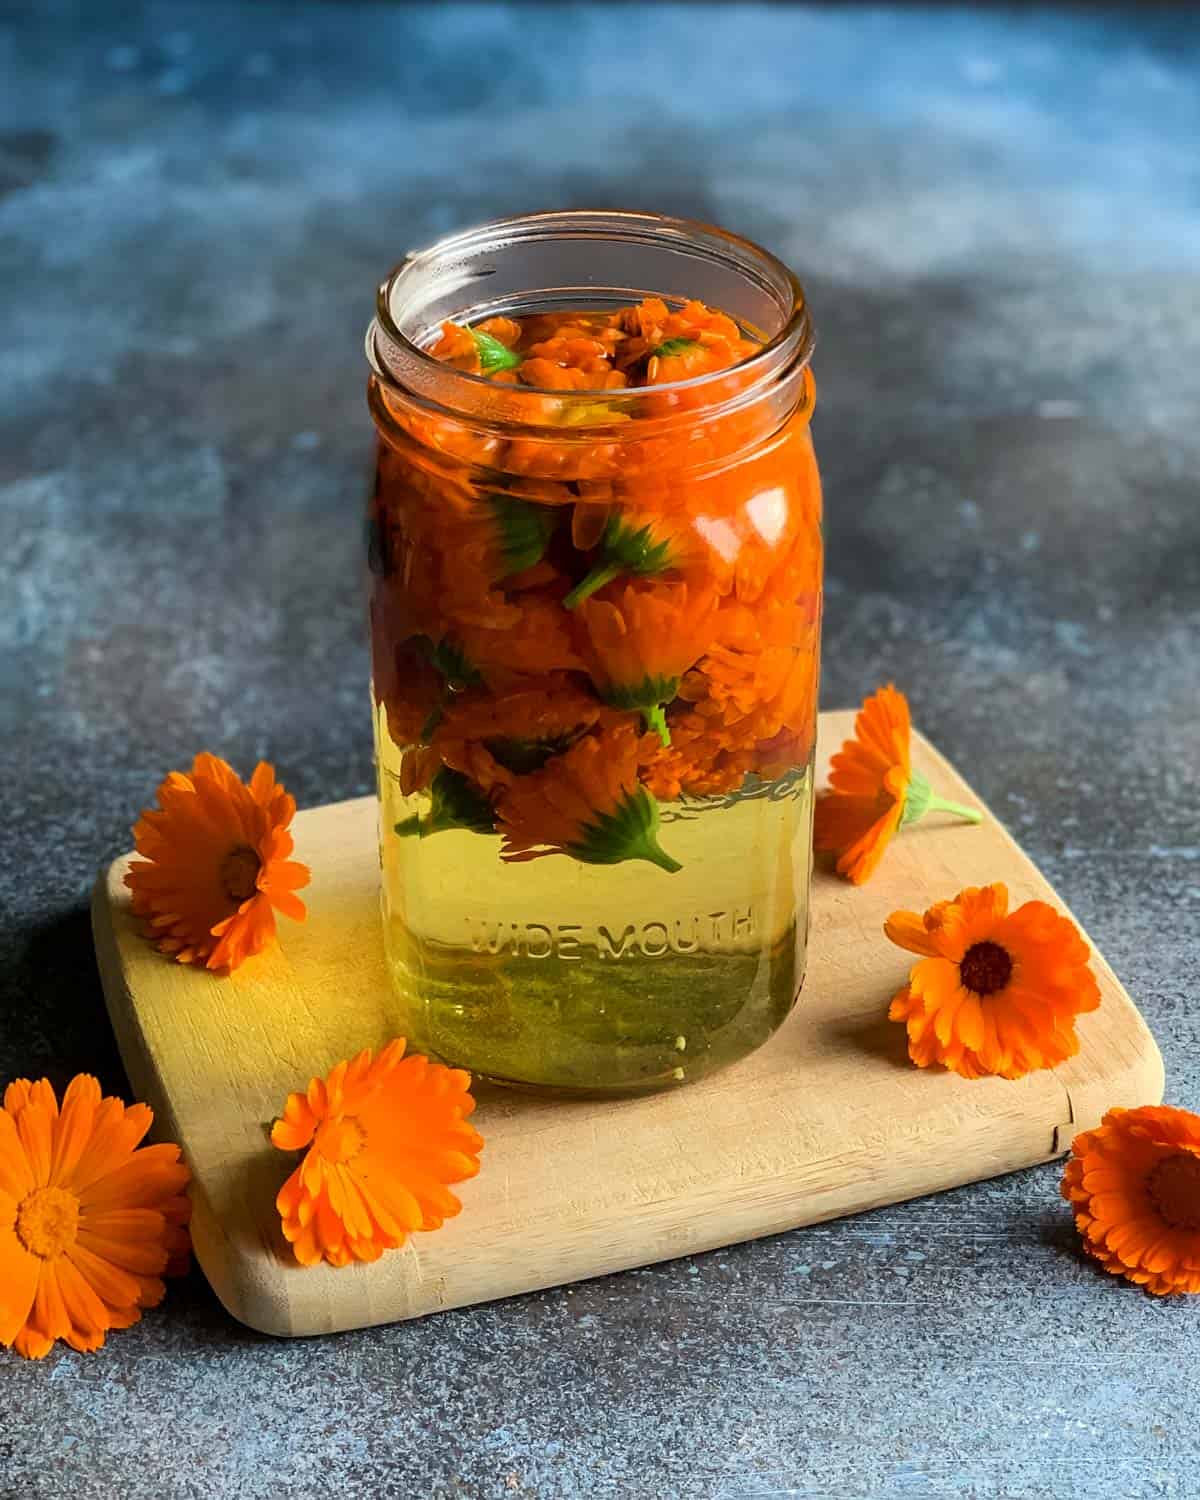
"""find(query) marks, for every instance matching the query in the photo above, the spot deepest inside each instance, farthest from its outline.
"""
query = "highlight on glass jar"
(594, 542)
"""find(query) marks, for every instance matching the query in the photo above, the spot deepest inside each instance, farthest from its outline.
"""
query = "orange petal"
(74, 1127)
(115, 1134)
(143, 1180)
(18, 1277)
(907, 930)
(16, 1176)
(35, 1126)
(89, 1316)
(117, 1287)
(859, 862)
(49, 1315)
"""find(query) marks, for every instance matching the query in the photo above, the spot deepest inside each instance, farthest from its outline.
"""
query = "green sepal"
(630, 831)
(493, 355)
(455, 802)
(450, 660)
(648, 695)
(673, 346)
(524, 531)
(523, 756)
(921, 799)
(624, 549)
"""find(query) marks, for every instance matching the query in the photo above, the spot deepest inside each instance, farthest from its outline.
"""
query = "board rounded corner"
(1140, 1080)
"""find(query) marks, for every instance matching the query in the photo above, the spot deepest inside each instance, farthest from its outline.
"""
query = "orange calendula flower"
(536, 638)
(641, 640)
(873, 789)
(586, 803)
(89, 1223)
(1134, 1183)
(995, 991)
(216, 864)
(382, 1136)
(679, 345)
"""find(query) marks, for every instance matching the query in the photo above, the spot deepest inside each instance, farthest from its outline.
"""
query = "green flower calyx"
(630, 831)
(523, 532)
(454, 802)
(493, 355)
(624, 549)
(649, 695)
(450, 660)
(668, 347)
(523, 756)
(921, 799)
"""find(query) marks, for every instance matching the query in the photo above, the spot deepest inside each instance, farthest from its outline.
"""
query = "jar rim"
(791, 346)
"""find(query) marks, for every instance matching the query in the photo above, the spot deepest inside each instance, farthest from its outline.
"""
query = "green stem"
(649, 849)
(956, 809)
(921, 799)
(655, 719)
(596, 579)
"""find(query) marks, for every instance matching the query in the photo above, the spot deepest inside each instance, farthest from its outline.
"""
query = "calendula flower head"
(486, 349)
(493, 737)
(1134, 1184)
(534, 636)
(737, 712)
(587, 803)
(572, 358)
(753, 695)
(216, 864)
(89, 1223)
(383, 1137)
(669, 346)
(641, 639)
(994, 991)
(873, 789)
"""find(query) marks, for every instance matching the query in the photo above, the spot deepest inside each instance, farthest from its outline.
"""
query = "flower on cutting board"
(90, 1221)
(994, 992)
(1134, 1183)
(382, 1137)
(873, 789)
(216, 864)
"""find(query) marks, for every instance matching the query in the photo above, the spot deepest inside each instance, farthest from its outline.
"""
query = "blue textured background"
(998, 219)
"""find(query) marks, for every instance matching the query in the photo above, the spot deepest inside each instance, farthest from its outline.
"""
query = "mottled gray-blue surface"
(998, 219)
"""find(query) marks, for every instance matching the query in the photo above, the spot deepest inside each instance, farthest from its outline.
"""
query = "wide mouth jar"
(595, 603)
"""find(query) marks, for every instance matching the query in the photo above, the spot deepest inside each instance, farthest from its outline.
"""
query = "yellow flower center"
(340, 1140)
(986, 967)
(48, 1221)
(239, 873)
(1174, 1188)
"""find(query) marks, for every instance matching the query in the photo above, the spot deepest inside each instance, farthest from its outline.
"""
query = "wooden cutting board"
(827, 1119)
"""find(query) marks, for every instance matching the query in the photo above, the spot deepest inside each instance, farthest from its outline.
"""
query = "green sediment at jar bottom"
(629, 1024)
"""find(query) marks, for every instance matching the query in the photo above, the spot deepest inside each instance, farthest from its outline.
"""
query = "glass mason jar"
(595, 613)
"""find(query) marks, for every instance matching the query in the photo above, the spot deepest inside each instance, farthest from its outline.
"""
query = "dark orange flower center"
(1174, 1188)
(239, 873)
(986, 967)
(340, 1140)
(48, 1221)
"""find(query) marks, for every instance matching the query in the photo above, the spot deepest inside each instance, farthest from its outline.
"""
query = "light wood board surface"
(827, 1119)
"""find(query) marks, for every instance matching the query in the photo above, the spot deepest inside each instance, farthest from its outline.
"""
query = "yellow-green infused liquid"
(599, 978)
